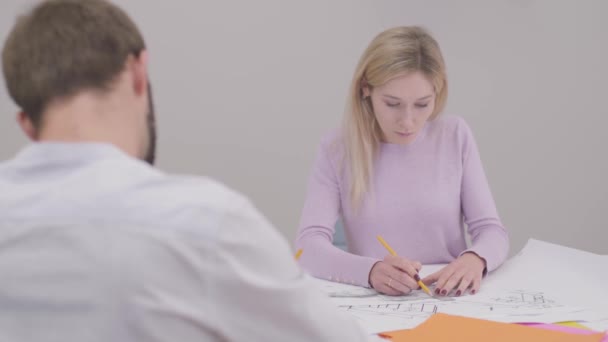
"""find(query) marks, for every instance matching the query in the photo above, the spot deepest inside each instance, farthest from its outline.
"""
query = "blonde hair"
(393, 53)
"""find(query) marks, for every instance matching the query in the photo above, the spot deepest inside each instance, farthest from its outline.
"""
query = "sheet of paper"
(572, 276)
(597, 325)
(333, 289)
(544, 283)
(563, 328)
(384, 313)
(443, 327)
(573, 324)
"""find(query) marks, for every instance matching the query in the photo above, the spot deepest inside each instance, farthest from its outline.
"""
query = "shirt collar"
(68, 152)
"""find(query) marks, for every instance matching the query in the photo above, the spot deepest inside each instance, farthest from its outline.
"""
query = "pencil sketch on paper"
(338, 290)
(405, 310)
(415, 295)
(377, 313)
(333, 289)
(527, 299)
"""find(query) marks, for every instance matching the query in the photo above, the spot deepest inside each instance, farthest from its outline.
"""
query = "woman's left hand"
(460, 275)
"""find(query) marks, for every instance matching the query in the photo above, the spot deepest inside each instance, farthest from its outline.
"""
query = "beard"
(150, 156)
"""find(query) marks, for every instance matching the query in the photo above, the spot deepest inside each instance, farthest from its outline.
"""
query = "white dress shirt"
(98, 246)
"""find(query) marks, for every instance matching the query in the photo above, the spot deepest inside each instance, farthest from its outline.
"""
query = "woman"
(399, 170)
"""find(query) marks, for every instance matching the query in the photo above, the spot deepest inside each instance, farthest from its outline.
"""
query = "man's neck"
(86, 118)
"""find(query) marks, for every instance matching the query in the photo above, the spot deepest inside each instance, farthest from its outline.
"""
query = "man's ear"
(27, 126)
(140, 73)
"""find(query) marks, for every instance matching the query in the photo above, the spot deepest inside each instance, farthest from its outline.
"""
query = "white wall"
(245, 90)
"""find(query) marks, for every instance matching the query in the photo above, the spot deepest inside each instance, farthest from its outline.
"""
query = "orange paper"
(442, 327)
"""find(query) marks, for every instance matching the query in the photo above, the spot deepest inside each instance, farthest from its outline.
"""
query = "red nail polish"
(473, 291)
(436, 291)
(444, 292)
(416, 277)
(458, 293)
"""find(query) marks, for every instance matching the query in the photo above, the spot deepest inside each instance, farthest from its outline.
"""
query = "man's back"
(95, 245)
(66, 183)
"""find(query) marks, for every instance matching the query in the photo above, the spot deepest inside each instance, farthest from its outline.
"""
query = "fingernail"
(436, 291)
(458, 293)
(416, 277)
(444, 292)
(473, 291)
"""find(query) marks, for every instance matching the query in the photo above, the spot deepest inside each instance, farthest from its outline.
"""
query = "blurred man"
(96, 244)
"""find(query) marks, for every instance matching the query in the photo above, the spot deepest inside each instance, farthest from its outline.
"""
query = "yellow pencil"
(388, 248)
(299, 253)
(416, 276)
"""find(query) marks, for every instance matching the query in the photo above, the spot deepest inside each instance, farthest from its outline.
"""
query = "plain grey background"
(244, 91)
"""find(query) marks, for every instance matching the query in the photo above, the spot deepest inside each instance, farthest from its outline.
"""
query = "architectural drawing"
(333, 289)
(383, 313)
(406, 310)
(521, 298)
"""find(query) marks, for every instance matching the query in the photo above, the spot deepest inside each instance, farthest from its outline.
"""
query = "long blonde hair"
(393, 53)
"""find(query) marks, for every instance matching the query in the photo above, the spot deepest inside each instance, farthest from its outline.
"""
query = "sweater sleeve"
(488, 235)
(317, 226)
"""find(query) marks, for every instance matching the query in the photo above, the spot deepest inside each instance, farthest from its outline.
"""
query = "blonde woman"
(399, 169)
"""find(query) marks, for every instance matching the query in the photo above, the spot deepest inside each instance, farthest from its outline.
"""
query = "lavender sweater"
(423, 193)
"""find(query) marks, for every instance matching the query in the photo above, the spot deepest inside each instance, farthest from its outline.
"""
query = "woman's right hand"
(394, 276)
